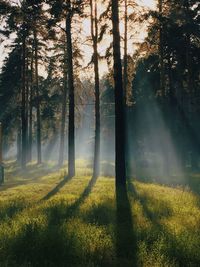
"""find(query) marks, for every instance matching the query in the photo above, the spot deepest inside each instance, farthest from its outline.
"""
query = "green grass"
(81, 222)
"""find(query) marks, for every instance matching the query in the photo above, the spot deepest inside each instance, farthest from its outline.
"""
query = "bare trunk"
(1, 144)
(63, 118)
(94, 33)
(27, 106)
(31, 113)
(125, 51)
(19, 145)
(71, 131)
(161, 55)
(39, 153)
(119, 103)
(23, 106)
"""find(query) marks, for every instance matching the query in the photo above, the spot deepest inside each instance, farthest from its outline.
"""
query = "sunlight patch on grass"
(76, 225)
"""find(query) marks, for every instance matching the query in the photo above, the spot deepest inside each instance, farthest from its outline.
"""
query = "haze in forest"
(99, 133)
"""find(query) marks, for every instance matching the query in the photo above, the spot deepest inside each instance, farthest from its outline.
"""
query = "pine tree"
(94, 35)
(119, 101)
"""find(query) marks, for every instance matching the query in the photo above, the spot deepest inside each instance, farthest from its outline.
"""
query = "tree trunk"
(23, 106)
(125, 51)
(63, 117)
(161, 55)
(31, 112)
(1, 144)
(27, 105)
(39, 153)
(19, 145)
(71, 131)
(119, 103)
(94, 34)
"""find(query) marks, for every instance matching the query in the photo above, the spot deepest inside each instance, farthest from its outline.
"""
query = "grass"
(45, 221)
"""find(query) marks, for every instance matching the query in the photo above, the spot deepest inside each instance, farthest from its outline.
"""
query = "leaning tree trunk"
(94, 34)
(119, 103)
(39, 152)
(71, 131)
(23, 106)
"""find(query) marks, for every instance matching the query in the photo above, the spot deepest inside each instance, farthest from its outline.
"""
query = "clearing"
(48, 221)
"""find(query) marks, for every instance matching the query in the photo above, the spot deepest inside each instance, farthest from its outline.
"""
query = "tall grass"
(84, 223)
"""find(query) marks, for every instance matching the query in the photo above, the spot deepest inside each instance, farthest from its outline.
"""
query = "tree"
(94, 35)
(71, 130)
(119, 101)
(64, 109)
(66, 10)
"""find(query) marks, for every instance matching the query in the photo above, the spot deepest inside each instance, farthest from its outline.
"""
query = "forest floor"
(47, 221)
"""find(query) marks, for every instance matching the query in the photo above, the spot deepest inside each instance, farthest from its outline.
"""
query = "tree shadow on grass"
(186, 180)
(48, 245)
(126, 244)
(10, 208)
(174, 246)
(55, 190)
(58, 213)
(33, 174)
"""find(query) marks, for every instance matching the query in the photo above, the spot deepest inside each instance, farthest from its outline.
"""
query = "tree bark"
(71, 131)
(125, 51)
(27, 105)
(31, 112)
(161, 54)
(63, 116)
(39, 152)
(23, 106)
(1, 143)
(119, 103)
(94, 34)
(19, 145)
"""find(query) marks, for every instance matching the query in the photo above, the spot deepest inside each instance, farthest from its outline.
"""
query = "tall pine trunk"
(125, 51)
(71, 131)
(19, 145)
(119, 101)
(27, 105)
(94, 34)
(39, 152)
(161, 55)
(31, 111)
(23, 106)
(63, 116)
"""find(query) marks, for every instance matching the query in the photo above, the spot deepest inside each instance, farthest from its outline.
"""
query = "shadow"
(163, 210)
(175, 248)
(15, 177)
(74, 207)
(101, 214)
(52, 243)
(126, 245)
(10, 208)
(60, 212)
(55, 190)
(190, 181)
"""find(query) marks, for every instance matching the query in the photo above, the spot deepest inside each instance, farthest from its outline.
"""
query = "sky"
(139, 35)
